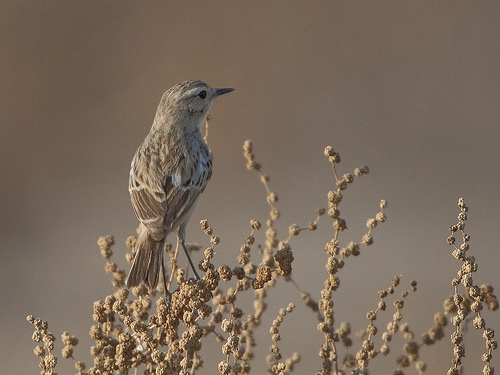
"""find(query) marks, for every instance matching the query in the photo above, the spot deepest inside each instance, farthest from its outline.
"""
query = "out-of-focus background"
(410, 89)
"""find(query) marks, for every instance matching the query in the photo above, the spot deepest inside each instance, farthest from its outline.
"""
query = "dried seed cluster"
(276, 366)
(335, 262)
(471, 301)
(45, 346)
(133, 334)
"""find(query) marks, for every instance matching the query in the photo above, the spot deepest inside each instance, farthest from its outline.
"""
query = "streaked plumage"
(169, 171)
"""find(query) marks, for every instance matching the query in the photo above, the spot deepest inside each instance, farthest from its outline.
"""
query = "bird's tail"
(147, 262)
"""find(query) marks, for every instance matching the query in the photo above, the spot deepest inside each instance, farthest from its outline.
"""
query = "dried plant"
(136, 332)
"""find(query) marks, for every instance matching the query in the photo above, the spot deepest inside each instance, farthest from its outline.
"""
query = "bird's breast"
(195, 167)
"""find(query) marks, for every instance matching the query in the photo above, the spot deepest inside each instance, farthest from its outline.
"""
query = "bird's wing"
(184, 187)
(148, 201)
(180, 200)
(162, 205)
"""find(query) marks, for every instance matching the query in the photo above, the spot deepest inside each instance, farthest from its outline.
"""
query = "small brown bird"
(170, 170)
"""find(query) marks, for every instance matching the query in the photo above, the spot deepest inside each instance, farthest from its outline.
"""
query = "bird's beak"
(222, 91)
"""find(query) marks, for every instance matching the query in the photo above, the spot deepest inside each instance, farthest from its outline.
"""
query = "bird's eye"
(202, 94)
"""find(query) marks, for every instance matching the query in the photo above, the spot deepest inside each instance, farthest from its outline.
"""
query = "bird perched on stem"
(170, 170)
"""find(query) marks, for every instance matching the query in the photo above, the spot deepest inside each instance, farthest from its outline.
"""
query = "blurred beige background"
(410, 89)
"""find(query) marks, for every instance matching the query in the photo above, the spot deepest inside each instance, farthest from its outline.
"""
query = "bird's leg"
(168, 295)
(181, 236)
(174, 264)
(181, 240)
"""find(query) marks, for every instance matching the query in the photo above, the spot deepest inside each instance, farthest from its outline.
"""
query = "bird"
(169, 171)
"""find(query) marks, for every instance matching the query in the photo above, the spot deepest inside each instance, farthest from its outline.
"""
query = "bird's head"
(192, 98)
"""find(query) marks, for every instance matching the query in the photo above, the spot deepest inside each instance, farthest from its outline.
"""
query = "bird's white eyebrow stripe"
(190, 93)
